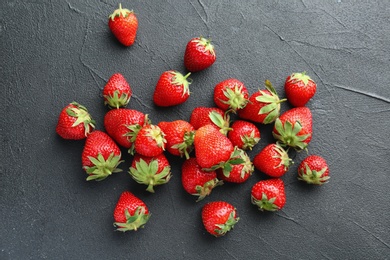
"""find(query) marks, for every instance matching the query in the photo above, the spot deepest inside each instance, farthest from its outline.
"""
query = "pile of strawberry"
(213, 146)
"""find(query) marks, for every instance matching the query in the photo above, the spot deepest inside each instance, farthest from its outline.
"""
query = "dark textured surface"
(55, 52)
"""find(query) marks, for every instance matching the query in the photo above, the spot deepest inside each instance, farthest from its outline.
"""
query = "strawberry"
(269, 194)
(263, 106)
(172, 89)
(299, 88)
(238, 172)
(130, 212)
(199, 54)
(196, 181)
(179, 135)
(117, 91)
(123, 125)
(123, 23)
(314, 170)
(294, 128)
(272, 160)
(150, 171)
(201, 116)
(74, 122)
(230, 95)
(219, 217)
(101, 156)
(244, 134)
(212, 148)
(150, 141)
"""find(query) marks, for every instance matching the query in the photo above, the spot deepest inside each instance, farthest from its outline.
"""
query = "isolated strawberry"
(230, 95)
(212, 148)
(171, 89)
(123, 125)
(199, 54)
(123, 23)
(244, 134)
(238, 172)
(150, 141)
(201, 116)
(179, 135)
(299, 88)
(150, 171)
(74, 122)
(314, 170)
(117, 91)
(269, 194)
(219, 217)
(272, 160)
(294, 128)
(130, 212)
(263, 106)
(196, 181)
(101, 156)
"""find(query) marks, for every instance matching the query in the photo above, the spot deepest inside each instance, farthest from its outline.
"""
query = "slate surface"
(55, 52)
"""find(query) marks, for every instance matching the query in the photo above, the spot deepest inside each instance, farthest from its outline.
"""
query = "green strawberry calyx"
(205, 190)
(147, 173)
(272, 109)
(116, 101)
(235, 98)
(186, 147)
(249, 141)
(138, 220)
(288, 134)
(133, 132)
(157, 135)
(297, 77)
(82, 116)
(222, 229)
(236, 157)
(285, 160)
(223, 122)
(102, 168)
(312, 176)
(206, 43)
(265, 203)
(179, 80)
(120, 12)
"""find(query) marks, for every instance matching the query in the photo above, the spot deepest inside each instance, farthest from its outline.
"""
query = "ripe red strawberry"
(269, 194)
(314, 170)
(272, 160)
(123, 23)
(74, 122)
(117, 91)
(123, 125)
(238, 172)
(263, 106)
(212, 148)
(180, 137)
(172, 89)
(101, 156)
(151, 171)
(219, 217)
(201, 116)
(244, 134)
(299, 88)
(199, 54)
(230, 95)
(294, 128)
(150, 141)
(196, 181)
(130, 212)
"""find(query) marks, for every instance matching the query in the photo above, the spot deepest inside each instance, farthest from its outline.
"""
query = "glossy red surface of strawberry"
(230, 94)
(314, 170)
(299, 89)
(123, 23)
(219, 217)
(272, 160)
(117, 91)
(199, 54)
(201, 116)
(150, 141)
(269, 194)
(243, 134)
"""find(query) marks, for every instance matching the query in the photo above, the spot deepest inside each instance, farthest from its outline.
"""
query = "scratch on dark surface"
(334, 17)
(140, 101)
(368, 112)
(203, 17)
(229, 253)
(270, 246)
(369, 232)
(371, 95)
(304, 4)
(74, 9)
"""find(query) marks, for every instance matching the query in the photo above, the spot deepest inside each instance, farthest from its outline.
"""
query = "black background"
(56, 52)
